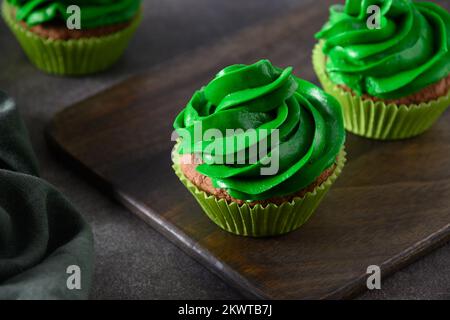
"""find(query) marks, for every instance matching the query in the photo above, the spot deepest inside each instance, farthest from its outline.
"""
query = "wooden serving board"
(390, 206)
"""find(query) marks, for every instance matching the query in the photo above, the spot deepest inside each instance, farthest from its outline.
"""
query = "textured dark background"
(132, 260)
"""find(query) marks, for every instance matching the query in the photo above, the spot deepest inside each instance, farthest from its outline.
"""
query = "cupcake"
(41, 27)
(259, 148)
(392, 78)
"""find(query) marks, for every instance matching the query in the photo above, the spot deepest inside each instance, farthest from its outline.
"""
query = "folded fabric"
(46, 248)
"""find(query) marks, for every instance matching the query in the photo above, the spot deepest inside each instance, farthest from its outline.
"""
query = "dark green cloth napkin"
(41, 233)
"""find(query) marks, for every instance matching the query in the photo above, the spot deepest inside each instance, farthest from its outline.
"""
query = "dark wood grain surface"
(390, 206)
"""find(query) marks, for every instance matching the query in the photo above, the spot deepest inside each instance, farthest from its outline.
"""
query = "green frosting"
(409, 52)
(262, 97)
(94, 13)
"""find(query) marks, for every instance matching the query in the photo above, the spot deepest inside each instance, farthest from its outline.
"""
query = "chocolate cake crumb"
(189, 163)
(427, 94)
(59, 31)
(430, 93)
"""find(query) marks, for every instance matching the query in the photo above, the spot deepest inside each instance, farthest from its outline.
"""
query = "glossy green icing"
(409, 52)
(260, 96)
(94, 13)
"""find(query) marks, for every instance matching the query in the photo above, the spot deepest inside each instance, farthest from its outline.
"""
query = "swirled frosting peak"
(407, 51)
(261, 97)
(94, 13)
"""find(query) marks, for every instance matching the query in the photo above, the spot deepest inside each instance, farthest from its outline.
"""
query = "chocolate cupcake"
(40, 26)
(259, 148)
(392, 80)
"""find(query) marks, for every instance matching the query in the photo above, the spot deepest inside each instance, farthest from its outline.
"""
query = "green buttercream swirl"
(409, 52)
(260, 96)
(94, 13)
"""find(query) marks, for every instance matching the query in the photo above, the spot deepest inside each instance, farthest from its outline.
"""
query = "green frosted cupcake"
(392, 82)
(259, 148)
(40, 26)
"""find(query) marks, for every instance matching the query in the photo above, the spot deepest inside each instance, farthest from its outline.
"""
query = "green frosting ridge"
(94, 13)
(409, 52)
(261, 96)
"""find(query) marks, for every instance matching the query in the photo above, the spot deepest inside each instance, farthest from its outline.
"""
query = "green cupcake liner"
(260, 221)
(71, 57)
(378, 120)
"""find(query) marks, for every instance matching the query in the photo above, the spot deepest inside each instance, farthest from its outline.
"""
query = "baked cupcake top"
(298, 123)
(409, 51)
(94, 13)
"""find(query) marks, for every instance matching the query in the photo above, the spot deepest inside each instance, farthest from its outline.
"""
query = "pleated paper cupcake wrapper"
(259, 221)
(71, 57)
(378, 120)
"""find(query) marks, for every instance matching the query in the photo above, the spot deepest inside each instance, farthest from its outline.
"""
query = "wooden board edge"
(170, 232)
(397, 263)
(206, 259)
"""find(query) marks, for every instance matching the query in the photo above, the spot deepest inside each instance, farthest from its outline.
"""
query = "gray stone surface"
(132, 260)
